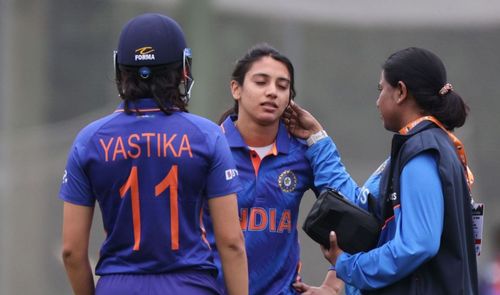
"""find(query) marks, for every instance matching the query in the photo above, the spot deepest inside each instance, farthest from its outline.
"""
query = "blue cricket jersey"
(151, 175)
(272, 189)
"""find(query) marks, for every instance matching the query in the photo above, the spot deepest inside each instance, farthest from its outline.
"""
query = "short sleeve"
(75, 186)
(222, 176)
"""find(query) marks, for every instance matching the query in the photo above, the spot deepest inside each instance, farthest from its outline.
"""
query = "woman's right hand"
(300, 123)
(305, 289)
(330, 286)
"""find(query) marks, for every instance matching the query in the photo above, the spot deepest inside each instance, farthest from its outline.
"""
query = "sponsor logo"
(144, 53)
(65, 177)
(287, 181)
(364, 195)
(381, 167)
(231, 173)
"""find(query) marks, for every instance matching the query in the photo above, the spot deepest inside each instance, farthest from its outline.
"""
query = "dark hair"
(245, 63)
(424, 75)
(162, 85)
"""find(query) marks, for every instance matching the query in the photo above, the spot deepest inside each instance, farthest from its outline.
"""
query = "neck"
(256, 135)
(410, 112)
(410, 119)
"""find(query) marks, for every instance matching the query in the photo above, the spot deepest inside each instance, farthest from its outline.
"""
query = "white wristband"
(316, 137)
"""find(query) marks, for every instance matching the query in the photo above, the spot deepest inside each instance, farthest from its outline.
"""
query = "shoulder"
(200, 123)
(297, 146)
(430, 136)
(431, 139)
(201, 130)
(87, 132)
(294, 144)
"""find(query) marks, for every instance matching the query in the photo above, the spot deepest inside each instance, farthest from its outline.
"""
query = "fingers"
(288, 112)
(334, 251)
(301, 287)
(289, 117)
(326, 252)
(294, 106)
(333, 240)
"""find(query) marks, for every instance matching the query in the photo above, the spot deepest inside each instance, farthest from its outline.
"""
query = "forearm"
(418, 225)
(80, 275)
(77, 221)
(328, 169)
(234, 266)
(230, 243)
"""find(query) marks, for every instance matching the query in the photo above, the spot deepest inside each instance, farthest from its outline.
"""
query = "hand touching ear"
(300, 123)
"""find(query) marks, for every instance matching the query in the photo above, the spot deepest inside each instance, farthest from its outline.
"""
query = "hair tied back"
(445, 89)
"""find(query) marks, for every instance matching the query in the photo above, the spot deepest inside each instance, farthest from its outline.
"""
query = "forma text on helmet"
(145, 53)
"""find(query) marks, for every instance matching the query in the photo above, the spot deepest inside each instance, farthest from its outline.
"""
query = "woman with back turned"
(152, 167)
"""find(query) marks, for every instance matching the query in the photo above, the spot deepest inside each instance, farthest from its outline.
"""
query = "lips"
(269, 105)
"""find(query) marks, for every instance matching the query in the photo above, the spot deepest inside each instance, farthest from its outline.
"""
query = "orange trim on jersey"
(459, 147)
(387, 221)
(299, 266)
(273, 151)
(203, 231)
(256, 160)
(392, 217)
(141, 110)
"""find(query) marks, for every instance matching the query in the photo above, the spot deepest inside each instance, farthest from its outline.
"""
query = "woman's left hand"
(299, 122)
(305, 289)
(334, 251)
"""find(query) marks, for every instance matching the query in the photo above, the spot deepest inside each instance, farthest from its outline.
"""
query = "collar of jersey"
(235, 140)
(143, 104)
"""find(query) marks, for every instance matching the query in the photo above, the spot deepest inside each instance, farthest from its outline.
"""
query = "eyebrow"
(280, 79)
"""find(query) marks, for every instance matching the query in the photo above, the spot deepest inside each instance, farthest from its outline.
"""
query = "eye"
(379, 87)
(283, 84)
(260, 83)
(282, 87)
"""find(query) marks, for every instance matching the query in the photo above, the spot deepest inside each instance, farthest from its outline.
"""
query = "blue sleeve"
(419, 224)
(75, 186)
(222, 176)
(329, 171)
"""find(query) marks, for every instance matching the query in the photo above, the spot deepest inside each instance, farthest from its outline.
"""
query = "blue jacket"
(407, 240)
(456, 248)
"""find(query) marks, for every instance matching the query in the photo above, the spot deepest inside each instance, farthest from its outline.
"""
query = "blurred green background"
(56, 75)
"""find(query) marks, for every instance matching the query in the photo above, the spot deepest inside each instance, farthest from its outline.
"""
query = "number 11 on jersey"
(170, 181)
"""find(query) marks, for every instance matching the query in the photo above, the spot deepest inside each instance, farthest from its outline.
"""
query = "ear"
(235, 89)
(401, 92)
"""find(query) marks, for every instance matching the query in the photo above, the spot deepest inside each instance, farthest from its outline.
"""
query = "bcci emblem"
(287, 181)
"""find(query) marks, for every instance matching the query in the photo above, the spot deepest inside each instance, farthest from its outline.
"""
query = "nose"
(377, 103)
(271, 91)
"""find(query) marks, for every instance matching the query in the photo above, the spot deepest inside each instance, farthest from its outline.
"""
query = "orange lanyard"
(459, 147)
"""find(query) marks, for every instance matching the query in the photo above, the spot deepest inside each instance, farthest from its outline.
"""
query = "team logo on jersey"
(144, 53)
(287, 181)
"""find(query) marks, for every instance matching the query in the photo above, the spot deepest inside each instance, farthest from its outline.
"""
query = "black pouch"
(357, 230)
